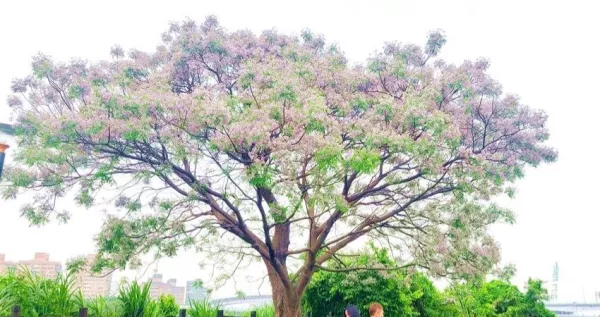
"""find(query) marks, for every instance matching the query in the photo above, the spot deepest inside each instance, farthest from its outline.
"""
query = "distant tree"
(499, 299)
(427, 301)
(278, 142)
(535, 296)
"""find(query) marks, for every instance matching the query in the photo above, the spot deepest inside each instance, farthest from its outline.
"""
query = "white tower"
(554, 291)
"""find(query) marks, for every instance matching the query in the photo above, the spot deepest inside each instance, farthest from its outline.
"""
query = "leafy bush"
(414, 295)
(104, 307)
(167, 306)
(499, 299)
(136, 301)
(400, 294)
(207, 309)
(202, 309)
(39, 296)
(330, 292)
(265, 311)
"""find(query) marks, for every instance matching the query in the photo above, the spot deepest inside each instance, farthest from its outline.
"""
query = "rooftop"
(7, 128)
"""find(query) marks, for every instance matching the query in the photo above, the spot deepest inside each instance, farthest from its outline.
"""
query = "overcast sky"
(545, 51)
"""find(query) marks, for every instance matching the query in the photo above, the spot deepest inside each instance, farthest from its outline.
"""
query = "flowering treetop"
(279, 142)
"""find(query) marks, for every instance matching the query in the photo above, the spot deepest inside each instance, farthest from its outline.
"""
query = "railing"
(83, 312)
(221, 313)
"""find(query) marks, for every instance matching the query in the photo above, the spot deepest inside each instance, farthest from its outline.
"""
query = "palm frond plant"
(135, 299)
(104, 307)
(39, 296)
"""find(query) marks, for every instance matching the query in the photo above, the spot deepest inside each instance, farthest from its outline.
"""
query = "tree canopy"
(404, 294)
(400, 293)
(279, 142)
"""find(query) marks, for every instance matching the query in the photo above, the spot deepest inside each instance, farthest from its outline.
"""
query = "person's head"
(352, 311)
(376, 310)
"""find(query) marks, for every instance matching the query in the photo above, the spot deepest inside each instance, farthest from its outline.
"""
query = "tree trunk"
(286, 301)
(286, 306)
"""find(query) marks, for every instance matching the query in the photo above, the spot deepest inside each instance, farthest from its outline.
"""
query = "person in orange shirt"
(376, 310)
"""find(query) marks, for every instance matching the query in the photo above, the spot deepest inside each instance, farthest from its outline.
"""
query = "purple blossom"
(208, 101)
(435, 41)
(20, 85)
(117, 52)
(13, 101)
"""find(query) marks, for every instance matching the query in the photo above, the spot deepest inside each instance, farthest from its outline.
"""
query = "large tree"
(277, 141)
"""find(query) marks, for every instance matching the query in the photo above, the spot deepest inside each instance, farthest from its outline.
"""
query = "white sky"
(546, 51)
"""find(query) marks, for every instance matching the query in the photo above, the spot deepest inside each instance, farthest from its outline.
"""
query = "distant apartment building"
(6, 133)
(159, 287)
(6, 138)
(5, 265)
(93, 285)
(42, 266)
(195, 293)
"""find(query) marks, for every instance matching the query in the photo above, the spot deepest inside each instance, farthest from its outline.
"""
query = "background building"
(5, 265)
(93, 284)
(6, 138)
(195, 293)
(159, 287)
(6, 132)
(42, 265)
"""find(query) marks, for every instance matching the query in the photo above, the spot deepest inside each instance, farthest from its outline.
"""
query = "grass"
(207, 309)
(202, 309)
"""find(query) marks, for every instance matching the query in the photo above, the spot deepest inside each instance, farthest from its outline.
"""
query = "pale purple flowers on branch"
(279, 132)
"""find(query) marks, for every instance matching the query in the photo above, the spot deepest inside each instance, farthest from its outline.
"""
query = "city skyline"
(101, 284)
(40, 264)
(194, 291)
(91, 284)
(158, 288)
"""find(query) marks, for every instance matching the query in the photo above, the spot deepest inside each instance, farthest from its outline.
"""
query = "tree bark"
(286, 301)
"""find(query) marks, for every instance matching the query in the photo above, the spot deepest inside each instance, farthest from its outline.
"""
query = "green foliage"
(104, 307)
(402, 294)
(382, 151)
(265, 311)
(38, 296)
(331, 291)
(364, 161)
(499, 299)
(260, 176)
(202, 309)
(135, 300)
(167, 306)
(207, 309)
(327, 158)
(427, 301)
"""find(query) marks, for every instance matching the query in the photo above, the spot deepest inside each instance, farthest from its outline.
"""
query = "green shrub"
(202, 309)
(167, 306)
(39, 296)
(265, 311)
(104, 307)
(401, 295)
(135, 300)
(330, 292)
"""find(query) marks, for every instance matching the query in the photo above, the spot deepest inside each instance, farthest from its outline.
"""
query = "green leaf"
(364, 161)
(328, 158)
